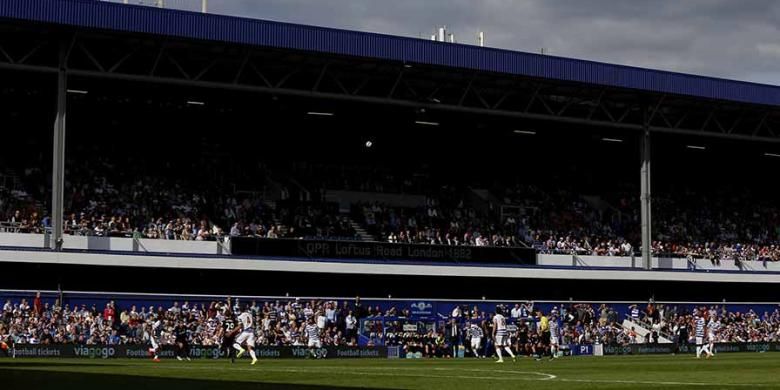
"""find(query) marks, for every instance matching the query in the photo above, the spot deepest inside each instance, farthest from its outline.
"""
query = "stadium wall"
(305, 283)
(367, 267)
(149, 246)
(118, 244)
(659, 263)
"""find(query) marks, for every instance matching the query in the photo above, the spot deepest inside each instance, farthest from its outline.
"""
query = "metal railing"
(649, 326)
(10, 227)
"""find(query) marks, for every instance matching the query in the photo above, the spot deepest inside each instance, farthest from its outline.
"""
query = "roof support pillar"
(58, 153)
(645, 198)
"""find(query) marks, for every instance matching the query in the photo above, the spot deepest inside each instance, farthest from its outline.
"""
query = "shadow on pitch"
(10, 364)
(31, 379)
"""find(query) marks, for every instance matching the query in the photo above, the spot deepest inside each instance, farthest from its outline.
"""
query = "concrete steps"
(642, 331)
(361, 232)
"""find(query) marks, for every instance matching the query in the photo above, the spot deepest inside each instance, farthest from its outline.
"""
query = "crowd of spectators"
(434, 224)
(362, 178)
(559, 221)
(280, 323)
(277, 323)
(716, 252)
(712, 251)
(102, 200)
(723, 226)
(677, 324)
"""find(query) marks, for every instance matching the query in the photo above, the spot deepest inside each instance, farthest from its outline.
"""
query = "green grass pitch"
(735, 370)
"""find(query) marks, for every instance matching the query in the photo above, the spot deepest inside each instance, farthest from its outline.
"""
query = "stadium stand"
(279, 322)
(560, 221)
(557, 190)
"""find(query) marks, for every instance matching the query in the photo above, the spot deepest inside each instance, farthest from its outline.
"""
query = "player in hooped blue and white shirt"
(475, 334)
(313, 334)
(700, 324)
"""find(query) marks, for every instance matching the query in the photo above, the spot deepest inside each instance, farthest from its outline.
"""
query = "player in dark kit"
(182, 344)
(228, 333)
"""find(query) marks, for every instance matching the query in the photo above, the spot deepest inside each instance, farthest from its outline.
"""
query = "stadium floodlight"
(425, 123)
(527, 132)
(317, 113)
(195, 103)
(695, 147)
(612, 140)
(771, 154)
(78, 91)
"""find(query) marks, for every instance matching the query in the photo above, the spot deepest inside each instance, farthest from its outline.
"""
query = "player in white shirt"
(501, 335)
(152, 332)
(554, 336)
(712, 334)
(476, 333)
(247, 336)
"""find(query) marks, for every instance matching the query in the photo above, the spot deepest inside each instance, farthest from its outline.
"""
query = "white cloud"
(768, 49)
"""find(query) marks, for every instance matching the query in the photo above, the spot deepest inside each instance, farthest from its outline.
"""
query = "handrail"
(649, 327)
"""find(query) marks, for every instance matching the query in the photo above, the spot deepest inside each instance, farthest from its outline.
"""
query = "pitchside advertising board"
(661, 349)
(643, 349)
(210, 352)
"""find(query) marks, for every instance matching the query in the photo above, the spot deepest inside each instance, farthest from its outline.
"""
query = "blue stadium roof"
(190, 25)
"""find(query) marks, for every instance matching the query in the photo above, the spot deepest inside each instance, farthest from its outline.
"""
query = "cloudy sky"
(724, 38)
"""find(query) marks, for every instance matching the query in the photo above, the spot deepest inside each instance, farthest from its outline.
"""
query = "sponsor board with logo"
(334, 249)
(410, 328)
(649, 349)
(196, 352)
(37, 351)
(580, 350)
(421, 309)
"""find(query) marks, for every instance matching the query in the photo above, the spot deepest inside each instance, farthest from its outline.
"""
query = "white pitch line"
(394, 371)
(630, 382)
(547, 377)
